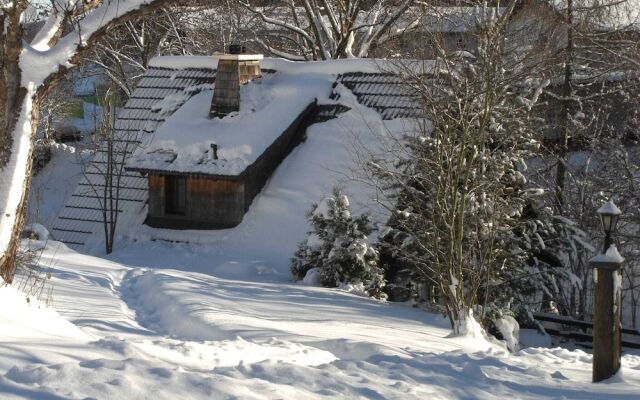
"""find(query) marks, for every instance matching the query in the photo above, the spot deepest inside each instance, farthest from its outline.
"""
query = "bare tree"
(326, 29)
(105, 169)
(454, 185)
(599, 39)
(123, 54)
(594, 88)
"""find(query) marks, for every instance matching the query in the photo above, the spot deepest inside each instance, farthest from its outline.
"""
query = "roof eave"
(156, 171)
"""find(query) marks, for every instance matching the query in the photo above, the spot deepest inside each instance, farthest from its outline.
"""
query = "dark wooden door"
(176, 195)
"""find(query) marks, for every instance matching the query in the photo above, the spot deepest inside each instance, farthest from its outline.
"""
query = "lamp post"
(606, 314)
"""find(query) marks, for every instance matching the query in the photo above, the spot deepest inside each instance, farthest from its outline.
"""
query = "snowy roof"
(183, 143)
(447, 19)
(268, 106)
(619, 15)
(329, 67)
(384, 92)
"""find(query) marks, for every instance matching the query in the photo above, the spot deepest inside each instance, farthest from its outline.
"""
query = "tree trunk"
(567, 93)
(12, 101)
(3, 91)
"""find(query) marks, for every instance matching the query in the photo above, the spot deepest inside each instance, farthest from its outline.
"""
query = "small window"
(175, 195)
(460, 44)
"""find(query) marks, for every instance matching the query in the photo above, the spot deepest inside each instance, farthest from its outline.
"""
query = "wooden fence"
(581, 331)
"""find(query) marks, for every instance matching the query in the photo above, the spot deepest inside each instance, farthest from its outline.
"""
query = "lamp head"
(609, 215)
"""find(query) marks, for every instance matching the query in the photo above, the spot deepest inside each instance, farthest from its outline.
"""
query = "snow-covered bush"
(500, 321)
(337, 249)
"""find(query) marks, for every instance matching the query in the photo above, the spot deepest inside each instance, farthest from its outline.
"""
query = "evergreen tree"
(338, 247)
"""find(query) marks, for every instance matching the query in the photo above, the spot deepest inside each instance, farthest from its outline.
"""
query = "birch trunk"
(12, 101)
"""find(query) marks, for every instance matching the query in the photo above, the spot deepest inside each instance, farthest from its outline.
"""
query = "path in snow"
(167, 334)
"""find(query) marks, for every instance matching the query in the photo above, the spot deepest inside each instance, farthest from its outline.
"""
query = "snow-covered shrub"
(338, 247)
(501, 322)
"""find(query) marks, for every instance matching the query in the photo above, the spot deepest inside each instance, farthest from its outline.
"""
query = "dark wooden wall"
(211, 204)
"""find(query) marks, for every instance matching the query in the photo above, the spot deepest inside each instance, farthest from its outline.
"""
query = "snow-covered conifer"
(338, 247)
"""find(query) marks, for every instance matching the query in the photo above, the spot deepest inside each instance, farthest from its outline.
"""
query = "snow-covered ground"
(214, 315)
(145, 326)
(52, 186)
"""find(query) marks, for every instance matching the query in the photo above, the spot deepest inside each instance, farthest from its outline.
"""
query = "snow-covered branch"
(333, 28)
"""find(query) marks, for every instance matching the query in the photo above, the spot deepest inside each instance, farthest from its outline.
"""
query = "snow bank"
(469, 327)
(138, 378)
(510, 331)
(533, 338)
(24, 317)
(199, 307)
(312, 277)
(231, 353)
(327, 344)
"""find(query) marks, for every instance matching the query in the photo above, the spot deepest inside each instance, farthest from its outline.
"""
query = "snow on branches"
(337, 251)
(324, 29)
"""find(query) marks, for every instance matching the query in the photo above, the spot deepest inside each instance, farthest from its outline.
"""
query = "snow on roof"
(386, 93)
(335, 67)
(618, 15)
(268, 106)
(448, 19)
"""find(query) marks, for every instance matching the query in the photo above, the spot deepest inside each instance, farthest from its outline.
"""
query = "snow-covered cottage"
(208, 161)
(210, 132)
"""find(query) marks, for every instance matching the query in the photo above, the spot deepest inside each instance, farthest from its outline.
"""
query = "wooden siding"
(156, 195)
(211, 204)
